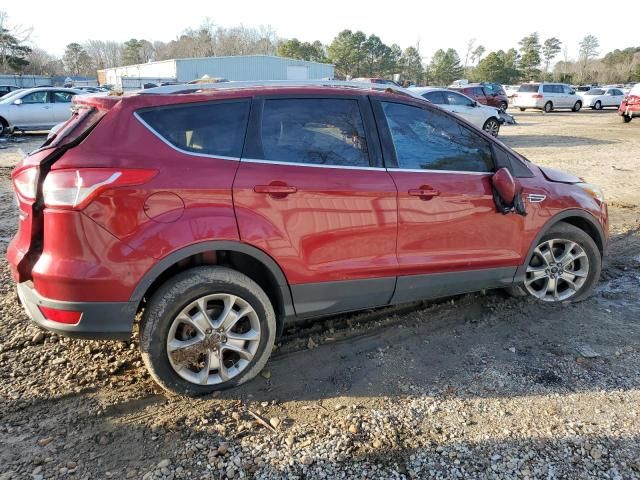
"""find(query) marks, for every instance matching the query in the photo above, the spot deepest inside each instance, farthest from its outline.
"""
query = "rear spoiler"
(99, 101)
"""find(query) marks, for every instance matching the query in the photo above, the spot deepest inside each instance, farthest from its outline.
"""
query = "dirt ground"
(476, 386)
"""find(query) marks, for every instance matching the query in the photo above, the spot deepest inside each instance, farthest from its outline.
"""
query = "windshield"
(595, 91)
(9, 96)
(529, 87)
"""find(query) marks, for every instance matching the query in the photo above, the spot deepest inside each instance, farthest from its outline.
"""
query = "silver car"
(36, 108)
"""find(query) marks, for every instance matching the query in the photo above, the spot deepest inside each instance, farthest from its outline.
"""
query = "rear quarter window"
(215, 129)
(531, 88)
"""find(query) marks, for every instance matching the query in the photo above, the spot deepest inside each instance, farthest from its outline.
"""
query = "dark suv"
(491, 94)
(225, 213)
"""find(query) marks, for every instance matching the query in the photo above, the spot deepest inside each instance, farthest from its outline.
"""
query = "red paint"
(504, 184)
(485, 98)
(318, 224)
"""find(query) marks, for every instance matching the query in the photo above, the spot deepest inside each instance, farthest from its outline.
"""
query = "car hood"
(559, 176)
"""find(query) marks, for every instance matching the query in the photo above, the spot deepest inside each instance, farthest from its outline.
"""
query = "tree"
(445, 66)
(550, 48)
(588, 50)
(530, 56)
(477, 53)
(378, 58)
(43, 63)
(294, 48)
(411, 65)
(498, 67)
(76, 60)
(470, 46)
(347, 53)
(13, 49)
(132, 52)
(104, 54)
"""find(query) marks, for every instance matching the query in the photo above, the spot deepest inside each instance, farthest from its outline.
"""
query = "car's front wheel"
(207, 329)
(577, 106)
(503, 106)
(492, 127)
(626, 118)
(565, 265)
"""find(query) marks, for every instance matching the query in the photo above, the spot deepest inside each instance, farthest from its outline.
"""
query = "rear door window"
(436, 97)
(428, 140)
(548, 89)
(62, 97)
(318, 131)
(215, 129)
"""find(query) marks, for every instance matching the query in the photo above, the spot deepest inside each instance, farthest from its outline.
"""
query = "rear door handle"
(275, 190)
(424, 192)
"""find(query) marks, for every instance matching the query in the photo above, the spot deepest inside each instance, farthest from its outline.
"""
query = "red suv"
(491, 94)
(223, 214)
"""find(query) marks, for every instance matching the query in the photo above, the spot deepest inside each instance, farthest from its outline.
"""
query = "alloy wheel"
(492, 127)
(213, 339)
(557, 270)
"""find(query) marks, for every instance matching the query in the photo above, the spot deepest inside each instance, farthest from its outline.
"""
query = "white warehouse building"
(238, 68)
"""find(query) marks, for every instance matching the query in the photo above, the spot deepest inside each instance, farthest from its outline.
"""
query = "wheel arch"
(581, 219)
(246, 259)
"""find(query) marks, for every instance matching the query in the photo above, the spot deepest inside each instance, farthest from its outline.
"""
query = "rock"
(38, 338)
(63, 471)
(377, 443)
(43, 442)
(290, 440)
(306, 460)
(311, 344)
(266, 374)
(131, 473)
(164, 463)
(353, 428)
(596, 453)
(71, 465)
(587, 352)
(274, 422)
(512, 349)
(223, 449)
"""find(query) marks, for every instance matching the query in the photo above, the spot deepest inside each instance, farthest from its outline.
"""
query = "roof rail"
(192, 88)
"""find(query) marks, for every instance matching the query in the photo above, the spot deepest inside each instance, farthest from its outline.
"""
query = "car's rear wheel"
(207, 329)
(548, 107)
(626, 118)
(598, 105)
(577, 106)
(4, 126)
(503, 106)
(492, 127)
(522, 109)
(565, 265)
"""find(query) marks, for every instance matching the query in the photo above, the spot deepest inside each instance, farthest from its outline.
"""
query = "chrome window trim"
(178, 149)
(419, 170)
(295, 164)
(536, 198)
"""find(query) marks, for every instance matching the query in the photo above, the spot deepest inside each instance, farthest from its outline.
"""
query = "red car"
(630, 106)
(223, 214)
(491, 94)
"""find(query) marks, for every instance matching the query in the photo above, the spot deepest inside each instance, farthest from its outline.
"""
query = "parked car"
(482, 116)
(5, 89)
(511, 90)
(547, 97)
(35, 108)
(599, 98)
(485, 95)
(91, 89)
(381, 81)
(630, 106)
(220, 216)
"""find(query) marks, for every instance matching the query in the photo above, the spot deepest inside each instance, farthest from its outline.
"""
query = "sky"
(443, 24)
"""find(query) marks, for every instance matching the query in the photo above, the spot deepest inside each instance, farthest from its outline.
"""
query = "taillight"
(633, 100)
(25, 183)
(538, 95)
(75, 189)
(70, 317)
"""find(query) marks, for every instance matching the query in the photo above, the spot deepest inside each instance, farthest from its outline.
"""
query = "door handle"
(275, 190)
(424, 192)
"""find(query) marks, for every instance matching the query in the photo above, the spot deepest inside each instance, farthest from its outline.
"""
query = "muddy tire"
(626, 118)
(565, 266)
(548, 107)
(207, 329)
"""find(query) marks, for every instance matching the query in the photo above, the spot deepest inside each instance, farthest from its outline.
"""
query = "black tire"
(565, 231)
(176, 294)
(503, 106)
(522, 109)
(626, 118)
(577, 106)
(597, 105)
(4, 126)
(492, 126)
(548, 107)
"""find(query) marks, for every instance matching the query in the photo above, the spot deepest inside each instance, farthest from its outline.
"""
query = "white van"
(547, 97)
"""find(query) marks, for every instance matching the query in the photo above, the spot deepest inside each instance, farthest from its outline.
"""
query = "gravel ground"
(476, 386)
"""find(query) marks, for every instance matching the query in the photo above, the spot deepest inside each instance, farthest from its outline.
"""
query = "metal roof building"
(239, 68)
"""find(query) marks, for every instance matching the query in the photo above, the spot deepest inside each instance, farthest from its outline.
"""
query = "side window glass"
(62, 97)
(459, 100)
(426, 140)
(436, 97)
(547, 88)
(322, 131)
(35, 97)
(205, 128)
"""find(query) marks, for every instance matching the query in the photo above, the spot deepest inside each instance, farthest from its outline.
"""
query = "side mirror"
(504, 185)
(17, 101)
(572, 92)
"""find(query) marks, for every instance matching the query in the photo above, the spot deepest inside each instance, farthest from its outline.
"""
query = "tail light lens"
(25, 183)
(69, 317)
(633, 100)
(76, 188)
(538, 95)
